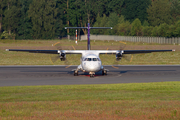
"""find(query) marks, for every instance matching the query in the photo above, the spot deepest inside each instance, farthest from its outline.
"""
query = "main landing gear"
(104, 72)
(75, 73)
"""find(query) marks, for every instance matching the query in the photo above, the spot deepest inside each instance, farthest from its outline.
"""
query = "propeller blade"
(66, 62)
(122, 45)
(54, 59)
(58, 46)
(127, 57)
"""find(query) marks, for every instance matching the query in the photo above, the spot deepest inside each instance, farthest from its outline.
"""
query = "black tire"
(75, 73)
(102, 72)
(91, 76)
(105, 72)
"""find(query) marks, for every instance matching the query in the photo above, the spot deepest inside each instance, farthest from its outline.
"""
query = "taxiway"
(62, 75)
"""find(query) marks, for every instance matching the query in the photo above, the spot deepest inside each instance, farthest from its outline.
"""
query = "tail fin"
(88, 36)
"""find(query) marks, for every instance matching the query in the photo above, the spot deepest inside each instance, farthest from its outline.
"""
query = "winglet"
(7, 49)
(173, 50)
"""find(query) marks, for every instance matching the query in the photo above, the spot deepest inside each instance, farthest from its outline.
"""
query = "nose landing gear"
(92, 74)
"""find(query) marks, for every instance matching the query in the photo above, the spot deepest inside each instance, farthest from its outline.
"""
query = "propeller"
(128, 57)
(55, 58)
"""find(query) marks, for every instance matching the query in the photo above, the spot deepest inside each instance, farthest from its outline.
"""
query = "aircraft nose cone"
(93, 66)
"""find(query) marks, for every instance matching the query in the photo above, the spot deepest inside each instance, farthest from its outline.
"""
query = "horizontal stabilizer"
(89, 28)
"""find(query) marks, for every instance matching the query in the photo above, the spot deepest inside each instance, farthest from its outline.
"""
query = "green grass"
(21, 58)
(112, 101)
(147, 91)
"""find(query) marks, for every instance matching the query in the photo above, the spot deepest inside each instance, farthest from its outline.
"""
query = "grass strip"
(109, 101)
(22, 58)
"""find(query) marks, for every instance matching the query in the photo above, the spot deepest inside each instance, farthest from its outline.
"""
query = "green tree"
(112, 21)
(123, 28)
(11, 16)
(100, 22)
(159, 13)
(162, 30)
(170, 31)
(155, 31)
(136, 27)
(145, 23)
(147, 30)
(175, 9)
(2, 6)
(132, 9)
(177, 29)
(61, 5)
(114, 6)
(43, 14)
(81, 12)
(24, 29)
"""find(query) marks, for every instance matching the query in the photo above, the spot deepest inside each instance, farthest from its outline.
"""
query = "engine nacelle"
(118, 56)
(62, 56)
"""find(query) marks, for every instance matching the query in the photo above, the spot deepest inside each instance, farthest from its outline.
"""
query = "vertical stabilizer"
(88, 38)
(88, 35)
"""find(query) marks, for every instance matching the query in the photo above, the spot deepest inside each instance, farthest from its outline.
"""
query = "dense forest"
(46, 19)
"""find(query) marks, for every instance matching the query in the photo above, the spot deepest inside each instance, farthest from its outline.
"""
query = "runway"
(61, 75)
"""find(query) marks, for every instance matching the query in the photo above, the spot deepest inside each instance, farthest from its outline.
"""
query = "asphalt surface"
(61, 75)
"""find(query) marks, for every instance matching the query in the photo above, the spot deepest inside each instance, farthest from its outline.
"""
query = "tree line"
(46, 19)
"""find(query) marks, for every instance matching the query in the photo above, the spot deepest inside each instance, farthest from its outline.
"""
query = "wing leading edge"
(130, 51)
(35, 51)
(48, 51)
(94, 51)
(144, 51)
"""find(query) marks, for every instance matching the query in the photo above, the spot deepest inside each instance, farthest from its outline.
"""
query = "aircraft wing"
(48, 51)
(35, 51)
(144, 51)
(83, 51)
(130, 51)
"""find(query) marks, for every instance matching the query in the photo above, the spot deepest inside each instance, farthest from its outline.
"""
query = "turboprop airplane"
(90, 61)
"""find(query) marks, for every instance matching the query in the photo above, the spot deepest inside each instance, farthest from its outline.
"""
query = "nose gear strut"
(92, 74)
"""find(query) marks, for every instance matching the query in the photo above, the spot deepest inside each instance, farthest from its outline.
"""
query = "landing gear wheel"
(91, 75)
(105, 72)
(75, 73)
(102, 72)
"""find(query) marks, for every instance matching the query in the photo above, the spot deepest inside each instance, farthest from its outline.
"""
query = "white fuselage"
(91, 63)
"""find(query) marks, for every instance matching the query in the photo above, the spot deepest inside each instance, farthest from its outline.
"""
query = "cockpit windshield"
(95, 59)
(91, 59)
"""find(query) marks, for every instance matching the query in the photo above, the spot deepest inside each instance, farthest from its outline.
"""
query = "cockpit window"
(94, 59)
(91, 59)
